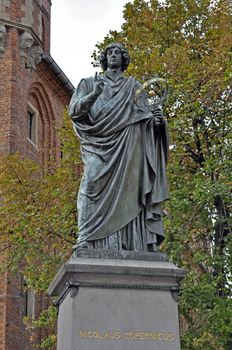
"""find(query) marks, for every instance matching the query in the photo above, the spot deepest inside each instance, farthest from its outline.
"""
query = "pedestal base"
(107, 302)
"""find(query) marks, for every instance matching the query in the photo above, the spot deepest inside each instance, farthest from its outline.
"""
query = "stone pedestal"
(117, 301)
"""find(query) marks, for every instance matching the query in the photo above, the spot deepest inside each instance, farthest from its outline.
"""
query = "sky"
(76, 26)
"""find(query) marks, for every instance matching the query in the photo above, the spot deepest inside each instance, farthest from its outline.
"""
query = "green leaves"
(47, 320)
(38, 214)
(188, 42)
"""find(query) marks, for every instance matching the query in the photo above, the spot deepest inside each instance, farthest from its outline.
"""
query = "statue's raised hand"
(98, 86)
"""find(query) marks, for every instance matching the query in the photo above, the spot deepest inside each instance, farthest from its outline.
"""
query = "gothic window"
(28, 300)
(30, 303)
(32, 120)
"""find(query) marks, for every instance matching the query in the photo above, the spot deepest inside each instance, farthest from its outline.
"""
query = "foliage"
(46, 321)
(38, 211)
(189, 43)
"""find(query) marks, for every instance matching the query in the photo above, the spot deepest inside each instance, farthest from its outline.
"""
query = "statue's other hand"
(158, 121)
(98, 87)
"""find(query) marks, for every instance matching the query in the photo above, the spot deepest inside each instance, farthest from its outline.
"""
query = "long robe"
(124, 155)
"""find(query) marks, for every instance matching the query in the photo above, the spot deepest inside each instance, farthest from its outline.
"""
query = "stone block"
(117, 301)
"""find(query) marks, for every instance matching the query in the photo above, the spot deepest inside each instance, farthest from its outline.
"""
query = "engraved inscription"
(115, 335)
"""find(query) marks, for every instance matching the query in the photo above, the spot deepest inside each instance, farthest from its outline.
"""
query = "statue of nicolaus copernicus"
(124, 150)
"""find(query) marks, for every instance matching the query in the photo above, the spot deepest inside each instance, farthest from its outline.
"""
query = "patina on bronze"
(124, 150)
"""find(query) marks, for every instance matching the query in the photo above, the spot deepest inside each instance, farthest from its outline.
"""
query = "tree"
(38, 217)
(189, 43)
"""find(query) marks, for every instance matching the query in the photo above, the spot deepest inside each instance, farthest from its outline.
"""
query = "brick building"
(33, 94)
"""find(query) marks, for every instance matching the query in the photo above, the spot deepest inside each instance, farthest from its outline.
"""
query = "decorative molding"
(2, 37)
(21, 27)
(121, 286)
(175, 294)
(73, 288)
(30, 53)
(74, 291)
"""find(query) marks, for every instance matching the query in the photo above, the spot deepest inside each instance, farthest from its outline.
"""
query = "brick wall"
(29, 13)
(15, 335)
(20, 85)
(46, 27)
(5, 94)
(46, 93)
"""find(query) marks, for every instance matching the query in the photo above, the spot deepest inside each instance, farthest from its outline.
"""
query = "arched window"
(32, 122)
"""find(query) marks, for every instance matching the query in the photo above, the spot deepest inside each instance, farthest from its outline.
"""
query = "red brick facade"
(48, 92)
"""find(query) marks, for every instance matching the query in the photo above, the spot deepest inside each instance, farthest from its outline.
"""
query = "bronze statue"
(124, 150)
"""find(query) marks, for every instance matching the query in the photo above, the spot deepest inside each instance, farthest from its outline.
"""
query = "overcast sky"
(76, 26)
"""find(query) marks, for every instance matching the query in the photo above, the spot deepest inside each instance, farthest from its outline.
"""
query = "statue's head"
(26, 40)
(125, 58)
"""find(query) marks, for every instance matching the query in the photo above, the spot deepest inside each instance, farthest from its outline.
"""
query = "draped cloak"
(124, 157)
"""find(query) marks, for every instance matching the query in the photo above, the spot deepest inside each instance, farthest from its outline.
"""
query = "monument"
(117, 291)
(124, 149)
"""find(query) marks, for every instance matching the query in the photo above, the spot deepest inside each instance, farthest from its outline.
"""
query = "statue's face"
(114, 57)
(2, 33)
(29, 42)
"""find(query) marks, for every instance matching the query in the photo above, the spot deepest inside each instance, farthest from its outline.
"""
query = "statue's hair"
(125, 56)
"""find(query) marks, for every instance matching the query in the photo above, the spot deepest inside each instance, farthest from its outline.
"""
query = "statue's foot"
(152, 247)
